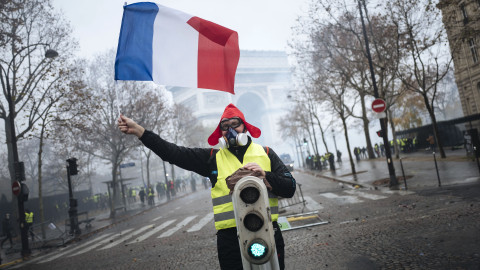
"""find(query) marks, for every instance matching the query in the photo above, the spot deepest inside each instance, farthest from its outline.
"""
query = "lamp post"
(18, 169)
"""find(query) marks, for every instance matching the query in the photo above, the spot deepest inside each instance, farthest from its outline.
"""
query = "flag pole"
(118, 99)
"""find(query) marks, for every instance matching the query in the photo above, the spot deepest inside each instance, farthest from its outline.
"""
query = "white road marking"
(73, 249)
(100, 243)
(312, 205)
(157, 218)
(398, 192)
(365, 195)
(201, 223)
(343, 199)
(177, 227)
(128, 236)
(153, 231)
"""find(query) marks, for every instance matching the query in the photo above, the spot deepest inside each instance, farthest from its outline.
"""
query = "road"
(367, 229)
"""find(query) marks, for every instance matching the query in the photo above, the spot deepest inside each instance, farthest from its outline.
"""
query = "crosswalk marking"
(398, 192)
(128, 236)
(365, 195)
(201, 223)
(177, 227)
(312, 205)
(73, 249)
(157, 218)
(104, 241)
(153, 231)
(344, 199)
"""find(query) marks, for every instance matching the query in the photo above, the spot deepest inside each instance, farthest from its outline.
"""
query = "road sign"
(16, 187)
(125, 165)
(379, 105)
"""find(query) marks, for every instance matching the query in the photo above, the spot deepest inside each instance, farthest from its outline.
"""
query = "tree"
(428, 58)
(29, 75)
(98, 133)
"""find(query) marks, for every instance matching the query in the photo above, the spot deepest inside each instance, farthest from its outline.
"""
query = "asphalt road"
(434, 228)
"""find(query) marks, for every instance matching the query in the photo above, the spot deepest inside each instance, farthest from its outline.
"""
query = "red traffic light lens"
(250, 195)
(253, 222)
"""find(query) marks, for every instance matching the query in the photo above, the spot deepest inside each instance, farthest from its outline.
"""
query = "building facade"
(461, 19)
(262, 85)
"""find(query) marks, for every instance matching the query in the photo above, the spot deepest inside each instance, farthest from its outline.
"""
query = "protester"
(237, 151)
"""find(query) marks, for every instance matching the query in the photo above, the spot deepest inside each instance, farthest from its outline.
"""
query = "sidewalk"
(419, 168)
(101, 222)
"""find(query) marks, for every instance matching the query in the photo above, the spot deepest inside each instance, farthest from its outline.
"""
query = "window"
(473, 49)
(464, 13)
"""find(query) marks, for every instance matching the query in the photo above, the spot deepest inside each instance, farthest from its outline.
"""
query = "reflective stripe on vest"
(227, 164)
(29, 217)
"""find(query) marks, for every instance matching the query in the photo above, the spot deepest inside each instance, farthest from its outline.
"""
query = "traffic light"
(254, 222)
(380, 133)
(72, 166)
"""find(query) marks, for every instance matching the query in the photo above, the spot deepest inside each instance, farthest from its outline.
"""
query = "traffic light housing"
(253, 219)
(72, 166)
(380, 133)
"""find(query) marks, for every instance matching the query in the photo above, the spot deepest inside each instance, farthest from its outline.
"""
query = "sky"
(261, 25)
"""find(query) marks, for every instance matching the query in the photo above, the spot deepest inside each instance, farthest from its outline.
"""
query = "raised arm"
(128, 126)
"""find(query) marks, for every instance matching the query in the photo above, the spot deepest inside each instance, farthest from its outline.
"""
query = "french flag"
(173, 48)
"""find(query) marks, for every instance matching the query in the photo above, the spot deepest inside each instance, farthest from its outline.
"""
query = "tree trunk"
(394, 135)
(40, 194)
(352, 165)
(9, 139)
(114, 188)
(435, 127)
(323, 133)
(366, 128)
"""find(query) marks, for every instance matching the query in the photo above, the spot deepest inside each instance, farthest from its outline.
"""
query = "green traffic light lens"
(250, 195)
(253, 222)
(258, 249)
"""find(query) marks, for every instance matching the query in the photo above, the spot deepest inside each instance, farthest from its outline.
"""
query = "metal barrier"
(46, 234)
(296, 199)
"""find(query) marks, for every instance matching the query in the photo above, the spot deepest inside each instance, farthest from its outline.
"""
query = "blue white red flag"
(170, 47)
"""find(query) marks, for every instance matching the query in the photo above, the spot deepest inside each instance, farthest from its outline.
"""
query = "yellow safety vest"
(227, 164)
(29, 217)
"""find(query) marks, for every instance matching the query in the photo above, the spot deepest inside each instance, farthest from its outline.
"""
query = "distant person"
(339, 156)
(7, 230)
(142, 195)
(431, 141)
(29, 223)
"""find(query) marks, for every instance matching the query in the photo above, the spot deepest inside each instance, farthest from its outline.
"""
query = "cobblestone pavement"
(431, 229)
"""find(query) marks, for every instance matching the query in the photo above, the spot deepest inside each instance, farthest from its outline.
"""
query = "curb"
(338, 180)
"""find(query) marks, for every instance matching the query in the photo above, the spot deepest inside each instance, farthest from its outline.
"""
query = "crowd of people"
(322, 162)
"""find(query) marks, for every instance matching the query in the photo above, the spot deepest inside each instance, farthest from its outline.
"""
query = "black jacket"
(203, 162)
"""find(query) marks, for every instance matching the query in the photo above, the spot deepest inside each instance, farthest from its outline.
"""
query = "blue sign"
(125, 165)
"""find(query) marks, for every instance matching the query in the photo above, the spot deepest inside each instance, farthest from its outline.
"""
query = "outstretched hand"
(128, 126)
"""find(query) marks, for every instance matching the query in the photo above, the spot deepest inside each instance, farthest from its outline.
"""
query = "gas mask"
(233, 138)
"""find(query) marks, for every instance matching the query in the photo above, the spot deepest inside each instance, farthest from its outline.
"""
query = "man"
(238, 152)
(29, 223)
(7, 230)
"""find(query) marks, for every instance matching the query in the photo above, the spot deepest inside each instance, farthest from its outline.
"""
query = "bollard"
(403, 173)
(436, 167)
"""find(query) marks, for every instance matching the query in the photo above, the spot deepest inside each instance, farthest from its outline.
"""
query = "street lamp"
(18, 170)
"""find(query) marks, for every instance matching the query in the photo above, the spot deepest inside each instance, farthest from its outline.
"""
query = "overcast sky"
(261, 24)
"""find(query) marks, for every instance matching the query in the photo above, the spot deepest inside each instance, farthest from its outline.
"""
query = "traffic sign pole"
(391, 169)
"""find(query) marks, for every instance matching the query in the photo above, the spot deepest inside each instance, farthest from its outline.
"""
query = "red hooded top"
(232, 111)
